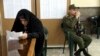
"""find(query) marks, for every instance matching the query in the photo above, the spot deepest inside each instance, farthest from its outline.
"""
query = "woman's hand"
(24, 36)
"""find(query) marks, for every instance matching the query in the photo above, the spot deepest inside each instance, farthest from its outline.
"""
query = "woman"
(31, 27)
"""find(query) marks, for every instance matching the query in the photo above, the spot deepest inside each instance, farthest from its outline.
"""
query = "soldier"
(69, 23)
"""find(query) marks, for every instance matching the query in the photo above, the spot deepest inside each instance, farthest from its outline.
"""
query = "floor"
(94, 49)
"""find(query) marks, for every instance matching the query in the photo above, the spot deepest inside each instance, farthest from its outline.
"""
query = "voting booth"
(14, 44)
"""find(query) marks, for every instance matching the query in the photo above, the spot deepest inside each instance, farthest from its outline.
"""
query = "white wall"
(86, 3)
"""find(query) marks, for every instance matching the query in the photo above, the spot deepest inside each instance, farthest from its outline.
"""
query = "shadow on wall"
(87, 12)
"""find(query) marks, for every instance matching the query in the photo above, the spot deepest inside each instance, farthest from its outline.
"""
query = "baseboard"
(56, 46)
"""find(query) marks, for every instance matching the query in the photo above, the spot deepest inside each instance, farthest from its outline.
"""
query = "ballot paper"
(13, 35)
(13, 42)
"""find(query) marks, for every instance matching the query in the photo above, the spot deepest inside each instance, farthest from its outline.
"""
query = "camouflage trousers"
(83, 41)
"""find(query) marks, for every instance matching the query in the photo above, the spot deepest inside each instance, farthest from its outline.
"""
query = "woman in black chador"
(31, 27)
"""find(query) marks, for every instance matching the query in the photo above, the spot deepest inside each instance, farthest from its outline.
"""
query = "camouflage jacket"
(69, 23)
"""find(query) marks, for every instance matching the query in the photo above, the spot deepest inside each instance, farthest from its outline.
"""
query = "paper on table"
(13, 35)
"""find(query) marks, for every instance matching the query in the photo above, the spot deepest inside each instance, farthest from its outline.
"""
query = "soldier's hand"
(78, 14)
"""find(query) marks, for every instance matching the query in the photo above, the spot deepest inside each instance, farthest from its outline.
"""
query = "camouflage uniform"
(69, 23)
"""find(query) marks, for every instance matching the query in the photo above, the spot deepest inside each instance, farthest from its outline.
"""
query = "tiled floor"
(94, 49)
(57, 52)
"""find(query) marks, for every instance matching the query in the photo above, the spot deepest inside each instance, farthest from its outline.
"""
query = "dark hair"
(33, 21)
(24, 13)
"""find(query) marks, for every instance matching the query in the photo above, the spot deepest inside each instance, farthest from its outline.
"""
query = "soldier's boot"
(86, 53)
(77, 53)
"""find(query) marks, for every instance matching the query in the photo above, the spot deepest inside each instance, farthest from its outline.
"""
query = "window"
(50, 9)
(11, 7)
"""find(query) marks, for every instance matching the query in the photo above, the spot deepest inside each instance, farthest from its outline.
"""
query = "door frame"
(3, 39)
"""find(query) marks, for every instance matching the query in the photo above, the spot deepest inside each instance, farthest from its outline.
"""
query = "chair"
(31, 51)
(72, 44)
(95, 22)
(70, 41)
(98, 26)
(98, 32)
(45, 42)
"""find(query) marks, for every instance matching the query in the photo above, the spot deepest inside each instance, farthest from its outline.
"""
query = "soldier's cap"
(73, 7)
